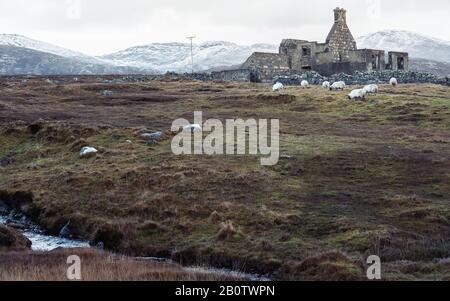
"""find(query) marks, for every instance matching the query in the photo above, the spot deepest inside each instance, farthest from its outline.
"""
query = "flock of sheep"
(340, 85)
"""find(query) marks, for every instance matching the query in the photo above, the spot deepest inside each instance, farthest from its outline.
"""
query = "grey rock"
(100, 245)
(5, 161)
(107, 93)
(153, 136)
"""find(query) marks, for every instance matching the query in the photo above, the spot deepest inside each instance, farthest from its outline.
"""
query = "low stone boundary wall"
(363, 78)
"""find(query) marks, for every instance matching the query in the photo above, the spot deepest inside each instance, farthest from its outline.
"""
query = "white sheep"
(326, 85)
(278, 87)
(337, 86)
(304, 84)
(357, 94)
(371, 89)
(192, 128)
(88, 152)
(393, 82)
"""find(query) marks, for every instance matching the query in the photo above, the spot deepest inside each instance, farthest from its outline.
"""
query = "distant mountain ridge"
(21, 55)
(176, 57)
(418, 46)
(24, 61)
(24, 42)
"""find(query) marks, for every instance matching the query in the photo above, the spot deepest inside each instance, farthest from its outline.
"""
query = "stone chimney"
(340, 40)
(340, 15)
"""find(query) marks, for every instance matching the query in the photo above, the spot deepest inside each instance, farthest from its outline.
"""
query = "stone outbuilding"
(339, 53)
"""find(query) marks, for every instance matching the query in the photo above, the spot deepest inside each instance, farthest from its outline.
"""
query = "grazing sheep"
(88, 152)
(278, 87)
(393, 82)
(337, 86)
(371, 89)
(357, 94)
(304, 84)
(192, 128)
(326, 85)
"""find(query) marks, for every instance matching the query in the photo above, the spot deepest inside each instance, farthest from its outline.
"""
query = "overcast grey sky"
(102, 26)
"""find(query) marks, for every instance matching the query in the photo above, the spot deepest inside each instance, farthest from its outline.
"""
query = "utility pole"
(192, 52)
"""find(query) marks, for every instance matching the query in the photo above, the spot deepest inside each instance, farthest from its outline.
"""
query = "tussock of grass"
(333, 266)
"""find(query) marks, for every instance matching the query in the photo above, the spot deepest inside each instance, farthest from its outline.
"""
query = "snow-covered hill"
(24, 42)
(176, 57)
(418, 46)
(441, 69)
(23, 61)
(22, 55)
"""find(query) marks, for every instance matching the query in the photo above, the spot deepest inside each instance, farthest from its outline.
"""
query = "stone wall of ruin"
(240, 75)
(265, 66)
(339, 54)
(393, 63)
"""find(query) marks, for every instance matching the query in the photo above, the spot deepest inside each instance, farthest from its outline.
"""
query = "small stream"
(45, 243)
(40, 241)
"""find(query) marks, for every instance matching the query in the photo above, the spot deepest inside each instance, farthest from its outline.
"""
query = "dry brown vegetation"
(95, 266)
(359, 178)
(12, 240)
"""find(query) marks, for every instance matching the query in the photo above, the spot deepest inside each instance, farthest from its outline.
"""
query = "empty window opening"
(375, 62)
(306, 51)
(400, 63)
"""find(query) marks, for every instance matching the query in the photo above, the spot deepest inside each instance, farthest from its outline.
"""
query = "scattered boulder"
(152, 136)
(107, 93)
(87, 152)
(13, 240)
(100, 245)
(286, 157)
(5, 161)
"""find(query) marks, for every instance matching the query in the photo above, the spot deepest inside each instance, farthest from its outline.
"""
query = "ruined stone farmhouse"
(339, 53)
